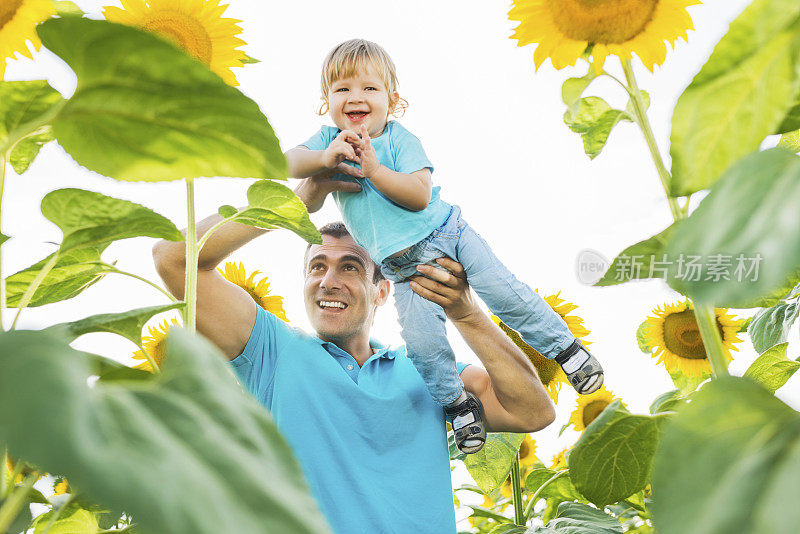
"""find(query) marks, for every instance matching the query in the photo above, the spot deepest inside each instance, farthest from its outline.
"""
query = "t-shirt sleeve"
(461, 366)
(320, 140)
(409, 156)
(255, 366)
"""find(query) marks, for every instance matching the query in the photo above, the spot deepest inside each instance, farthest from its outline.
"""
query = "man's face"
(339, 293)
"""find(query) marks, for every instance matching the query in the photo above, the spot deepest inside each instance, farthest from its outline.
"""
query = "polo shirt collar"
(381, 350)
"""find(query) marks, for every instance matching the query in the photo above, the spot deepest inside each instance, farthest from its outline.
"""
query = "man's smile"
(331, 305)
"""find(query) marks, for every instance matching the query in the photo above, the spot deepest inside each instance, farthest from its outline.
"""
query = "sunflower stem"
(150, 360)
(538, 492)
(516, 487)
(33, 286)
(3, 158)
(712, 341)
(209, 232)
(3, 469)
(192, 251)
(15, 502)
(113, 269)
(640, 111)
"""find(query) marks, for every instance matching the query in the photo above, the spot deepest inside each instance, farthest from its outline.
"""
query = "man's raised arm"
(513, 397)
(225, 312)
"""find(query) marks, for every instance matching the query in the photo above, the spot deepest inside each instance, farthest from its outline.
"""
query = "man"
(368, 435)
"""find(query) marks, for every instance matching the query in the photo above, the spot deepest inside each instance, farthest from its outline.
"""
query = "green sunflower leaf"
(127, 324)
(489, 467)
(22, 103)
(560, 489)
(740, 256)
(641, 337)
(613, 457)
(90, 219)
(666, 402)
(215, 453)
(144, 110)
(790, 141)
(771, 326)
(573, 88)
(579, 518)
(508, 528)
(688, 384)
(65, 8)
(73, 272)
(272, 205)
(593, 119)
(644, 260)
(78, 521)
(773, 369)
(791, 122)
(729, 462)
(751, 79)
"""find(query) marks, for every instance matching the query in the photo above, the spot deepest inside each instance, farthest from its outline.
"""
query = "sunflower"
(589, 407)
(196, 26)
(560, 460)
(566, 29)
(18, 20)
(236, 274)
(550, 373)
(527, 452)
(154, 345)
(675, 338)
(61, 486)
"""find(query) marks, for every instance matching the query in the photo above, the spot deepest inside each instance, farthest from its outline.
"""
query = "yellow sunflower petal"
(154, 345)
(674, 337)
(562, 29)
(18, 20)
(197, 26)
(589, 407)
(259, 291)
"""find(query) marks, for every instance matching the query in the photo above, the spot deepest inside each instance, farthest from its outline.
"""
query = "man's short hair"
(338, 230)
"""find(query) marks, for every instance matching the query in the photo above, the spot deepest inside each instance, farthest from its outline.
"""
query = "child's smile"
(360, 99)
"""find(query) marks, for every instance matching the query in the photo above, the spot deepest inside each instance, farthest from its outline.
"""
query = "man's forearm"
(513, 378)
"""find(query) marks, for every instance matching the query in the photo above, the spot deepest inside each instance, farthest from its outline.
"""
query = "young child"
(400, 220)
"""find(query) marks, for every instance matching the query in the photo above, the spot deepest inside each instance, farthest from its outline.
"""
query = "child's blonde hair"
(348, 58)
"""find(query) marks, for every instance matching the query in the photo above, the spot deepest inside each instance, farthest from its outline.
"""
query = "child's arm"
(410, 190)
(304, 162)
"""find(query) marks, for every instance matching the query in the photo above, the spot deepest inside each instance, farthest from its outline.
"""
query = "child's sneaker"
(467, 421)
(582, 369)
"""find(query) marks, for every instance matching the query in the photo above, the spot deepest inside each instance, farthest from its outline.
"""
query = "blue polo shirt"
(371, 440)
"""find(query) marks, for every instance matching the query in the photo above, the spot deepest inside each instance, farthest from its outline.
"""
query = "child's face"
(362, 99)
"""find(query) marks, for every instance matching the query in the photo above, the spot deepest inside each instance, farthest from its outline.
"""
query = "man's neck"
(357, 346)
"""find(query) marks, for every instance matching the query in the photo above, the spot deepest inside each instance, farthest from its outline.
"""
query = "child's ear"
(395, 100)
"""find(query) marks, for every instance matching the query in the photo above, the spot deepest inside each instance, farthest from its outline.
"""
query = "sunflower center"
(183, 30)
(682, 335)
(602, 21)
(592, 410)
(7, 10)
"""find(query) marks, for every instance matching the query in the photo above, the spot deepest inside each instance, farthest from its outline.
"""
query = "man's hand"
(312, 191)
(366, 154)
(340, 149)
(449, 289)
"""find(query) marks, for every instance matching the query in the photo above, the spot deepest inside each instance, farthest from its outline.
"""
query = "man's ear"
(384, 288)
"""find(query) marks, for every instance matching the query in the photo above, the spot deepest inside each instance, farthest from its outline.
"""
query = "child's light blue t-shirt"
(377, 223)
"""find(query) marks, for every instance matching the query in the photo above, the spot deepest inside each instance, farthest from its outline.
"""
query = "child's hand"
(366, 153)
(340, 149)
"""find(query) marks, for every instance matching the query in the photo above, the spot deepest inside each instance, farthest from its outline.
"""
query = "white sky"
(493, 129)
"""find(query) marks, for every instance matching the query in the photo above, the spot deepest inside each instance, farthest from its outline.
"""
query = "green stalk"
(113, 269)
(15, 502)
(519, 516)
(707, 320)
(209, 232)
(3, 158)
(192, 251)
(704, 315)
(535, 496)
(3, 468)
(34, 285)
(640, 111)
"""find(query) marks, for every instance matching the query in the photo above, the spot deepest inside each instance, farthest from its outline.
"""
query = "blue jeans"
(423, 322)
